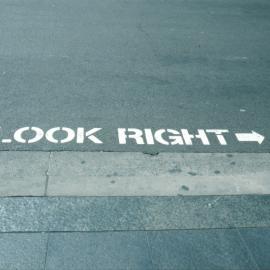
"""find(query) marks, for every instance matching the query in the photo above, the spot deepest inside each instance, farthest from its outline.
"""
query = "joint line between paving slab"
(46, 252)
(135, 196)
(133, 151)
(138, 230)
(47, 174)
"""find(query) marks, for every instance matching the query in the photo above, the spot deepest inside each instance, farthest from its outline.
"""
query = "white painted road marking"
(147, 136)
(250, 137)
(181, 137)
(6, 141)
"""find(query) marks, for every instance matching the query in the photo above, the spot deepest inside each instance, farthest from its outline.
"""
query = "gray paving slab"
(207, 249)
(210, 249)
(104, 251)
(23, 173)
(199, 249)
(220, 249)
(23, 251)
(132, 213)
(171, 249)
(258, 242)
(143, 64)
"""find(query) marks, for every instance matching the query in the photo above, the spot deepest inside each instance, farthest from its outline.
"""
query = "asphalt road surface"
(198, 64)
(134, 76)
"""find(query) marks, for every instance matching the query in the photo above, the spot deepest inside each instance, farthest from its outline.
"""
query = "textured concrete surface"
(132, 213)
(165, 164)
(23, 173)
(166, 174)
(132, 174)
(143, 64)
(159, 185)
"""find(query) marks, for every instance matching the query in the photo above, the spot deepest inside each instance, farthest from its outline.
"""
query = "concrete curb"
(132, 174)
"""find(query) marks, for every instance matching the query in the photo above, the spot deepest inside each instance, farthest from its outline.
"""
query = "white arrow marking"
(250, 137)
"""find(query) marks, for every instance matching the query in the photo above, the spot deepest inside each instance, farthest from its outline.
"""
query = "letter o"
(38, 136)
(50, 135)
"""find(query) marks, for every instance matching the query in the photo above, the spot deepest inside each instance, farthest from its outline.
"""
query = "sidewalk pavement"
(74, 210)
